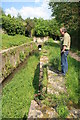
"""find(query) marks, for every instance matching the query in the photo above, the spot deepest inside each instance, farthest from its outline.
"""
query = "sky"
(27, 8)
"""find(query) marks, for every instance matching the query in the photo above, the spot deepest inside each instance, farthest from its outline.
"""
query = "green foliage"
(53, 27)
(22, 56)
(29, 27)
(73, 79)
(20, 29)
(62, 111)
(10, 41)
(41, 27)
(19, 92)
(44, 82)
(67, 16)
(12, 25)
(12, 52)
(72, 76)
(4, 54)
(55, 62)
(45, 27)
(8, 68)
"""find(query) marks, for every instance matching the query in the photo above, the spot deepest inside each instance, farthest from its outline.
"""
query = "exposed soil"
(74, 55)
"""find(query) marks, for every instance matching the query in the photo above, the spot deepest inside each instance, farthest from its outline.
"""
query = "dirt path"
(74, 55)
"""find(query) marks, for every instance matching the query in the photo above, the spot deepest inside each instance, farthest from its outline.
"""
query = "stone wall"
(40, 39)
(12, 57)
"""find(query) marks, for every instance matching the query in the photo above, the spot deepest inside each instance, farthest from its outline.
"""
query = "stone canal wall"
(40, 39)
(12, 57)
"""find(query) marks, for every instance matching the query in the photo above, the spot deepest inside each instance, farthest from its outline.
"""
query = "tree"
(46, 27)
(12, 25)
(29, 27)
(53, 27)
(19, 17)
(67, 13)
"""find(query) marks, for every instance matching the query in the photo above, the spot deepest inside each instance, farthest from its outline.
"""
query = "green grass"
(19, 92)
(10, 41)
(44, 82)
(53, 53)
(62, 111)
(72, 77)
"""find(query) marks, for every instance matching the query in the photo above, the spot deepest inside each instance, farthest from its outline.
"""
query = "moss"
(26, 51)
(21, 56)
(17, 63)
(12, 52)
(4, 54)
(8, 67)
(4, 73)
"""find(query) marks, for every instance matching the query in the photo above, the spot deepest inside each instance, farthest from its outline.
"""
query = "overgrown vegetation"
(12, 25)
(45, 28)
(19, 92)
(29, 27)
(62, 111)
(10, 41)
(22, 56)
(71, 78)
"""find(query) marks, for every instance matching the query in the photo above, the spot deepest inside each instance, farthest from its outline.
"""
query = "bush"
(12, 25)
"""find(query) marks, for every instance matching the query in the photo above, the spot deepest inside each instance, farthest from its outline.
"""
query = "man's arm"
(64, 47)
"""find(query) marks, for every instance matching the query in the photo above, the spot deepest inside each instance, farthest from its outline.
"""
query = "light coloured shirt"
(67, 41)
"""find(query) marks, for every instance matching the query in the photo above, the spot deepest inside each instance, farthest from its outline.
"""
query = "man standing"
(65, 50)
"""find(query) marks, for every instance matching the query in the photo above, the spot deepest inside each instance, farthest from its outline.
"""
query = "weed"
(62, 111)
(12, 52)
(21, 56)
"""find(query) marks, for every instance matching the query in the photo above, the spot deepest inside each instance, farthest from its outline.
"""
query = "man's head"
(63, 31)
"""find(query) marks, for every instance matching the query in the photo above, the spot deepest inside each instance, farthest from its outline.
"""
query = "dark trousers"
(64, 63)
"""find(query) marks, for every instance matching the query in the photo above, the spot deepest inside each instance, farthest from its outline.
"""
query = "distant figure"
(64, 50)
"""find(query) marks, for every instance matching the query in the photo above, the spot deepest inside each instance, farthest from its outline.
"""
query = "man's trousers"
(64, 63)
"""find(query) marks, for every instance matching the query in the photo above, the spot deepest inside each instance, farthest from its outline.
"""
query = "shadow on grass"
(24, 117)
(54, 64)
(36, 79)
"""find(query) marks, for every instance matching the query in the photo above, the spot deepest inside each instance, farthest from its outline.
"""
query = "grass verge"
(10, 41)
